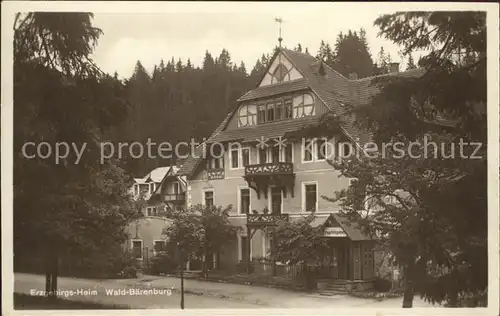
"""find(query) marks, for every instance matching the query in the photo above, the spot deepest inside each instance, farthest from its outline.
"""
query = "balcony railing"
(262, 219)
(215, 174)
(265, 169)
(174, 197)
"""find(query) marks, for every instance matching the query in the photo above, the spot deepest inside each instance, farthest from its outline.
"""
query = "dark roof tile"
(275, 89)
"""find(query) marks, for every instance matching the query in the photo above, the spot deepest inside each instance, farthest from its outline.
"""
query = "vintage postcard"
(242, 158)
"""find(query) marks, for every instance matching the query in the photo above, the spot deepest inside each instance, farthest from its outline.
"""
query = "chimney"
(393, 67)
(353, 76)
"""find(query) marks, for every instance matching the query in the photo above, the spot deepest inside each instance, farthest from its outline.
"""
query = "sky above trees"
(246, 31)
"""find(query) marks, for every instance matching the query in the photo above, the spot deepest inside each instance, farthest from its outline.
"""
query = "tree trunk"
(205, 260)
(408, 294)
(51, 268)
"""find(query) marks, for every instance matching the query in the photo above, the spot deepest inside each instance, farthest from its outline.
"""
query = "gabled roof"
(275, 89)
(155, 175)
(332, 88)
(351, 228)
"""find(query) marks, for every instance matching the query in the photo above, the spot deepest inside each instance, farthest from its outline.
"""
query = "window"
(209, 198)
(262, 155)
(288, 153)
(176, 188)
(262, 113)
(137, 248)
(136, 189)
(310, 197)
(215, 163)
(144, 188)
(307, 150)
(276, 200)
(303, 105)
(245, 156)
(239, 157)
(270, 112)
(247, 115)
(316, 149)
(275, 154)
(280, 74)
(152, 187)
(158, 246)
(151, 211)
(321, 149)
(287, 108)
(234, 158)
(244, 203)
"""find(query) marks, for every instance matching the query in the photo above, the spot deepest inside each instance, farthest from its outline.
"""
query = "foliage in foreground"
(200, 230)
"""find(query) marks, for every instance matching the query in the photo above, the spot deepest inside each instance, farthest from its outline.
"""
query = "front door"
(343, 262)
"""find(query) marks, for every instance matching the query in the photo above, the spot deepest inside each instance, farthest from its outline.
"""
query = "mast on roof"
(280, 21)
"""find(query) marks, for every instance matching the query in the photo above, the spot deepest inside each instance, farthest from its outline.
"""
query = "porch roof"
(351, 228)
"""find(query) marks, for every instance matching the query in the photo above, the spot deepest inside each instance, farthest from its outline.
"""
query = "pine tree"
(351, 55)
(411, 63)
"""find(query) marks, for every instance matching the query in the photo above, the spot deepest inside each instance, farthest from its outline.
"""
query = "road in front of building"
(140, 293)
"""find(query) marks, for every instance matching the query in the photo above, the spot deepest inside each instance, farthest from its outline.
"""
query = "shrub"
(162, 263)
(382, 285)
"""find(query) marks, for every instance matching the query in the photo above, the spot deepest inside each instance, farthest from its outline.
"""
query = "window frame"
(304, 196)
(248, 115)
(249, 156)
(151, 184)
(303, 105)
(303, 150)
(269, 200)
(238, 158)
(285, 75)
(238, 193)
(283, 149)
(205, 196)
(316, 148)
(154, 244)
(266, 153)
(132, 248)
(152, 208)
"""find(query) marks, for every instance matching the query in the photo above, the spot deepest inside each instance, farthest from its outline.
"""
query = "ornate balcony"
(215, 174)
(179, 197)
(262, 219)
(260, 176)
(265, 169)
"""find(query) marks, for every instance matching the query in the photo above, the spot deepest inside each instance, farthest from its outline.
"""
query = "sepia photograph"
(222, 155)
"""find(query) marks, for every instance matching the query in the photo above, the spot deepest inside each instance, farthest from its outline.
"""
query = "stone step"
(331, 293)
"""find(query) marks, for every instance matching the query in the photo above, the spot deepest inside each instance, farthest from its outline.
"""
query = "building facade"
(256, 162)
(161, 189)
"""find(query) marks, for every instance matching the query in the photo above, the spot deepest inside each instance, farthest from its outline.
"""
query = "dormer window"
(247, 115)
(281, 73)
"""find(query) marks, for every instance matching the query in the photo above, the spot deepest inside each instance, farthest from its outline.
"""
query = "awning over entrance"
(337, 225)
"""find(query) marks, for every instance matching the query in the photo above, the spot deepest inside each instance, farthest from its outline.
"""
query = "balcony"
(260, 176)
(175, 197)
(266, 169)
(262, 219)
(215, 174)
